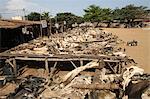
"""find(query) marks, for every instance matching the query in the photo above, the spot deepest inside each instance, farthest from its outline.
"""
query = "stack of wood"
(79, 40)
(107, 77)
(74, 85)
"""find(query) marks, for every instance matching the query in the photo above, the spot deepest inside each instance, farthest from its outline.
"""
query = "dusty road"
(140, 53)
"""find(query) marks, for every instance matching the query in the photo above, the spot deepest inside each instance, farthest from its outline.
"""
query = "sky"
(14, 7)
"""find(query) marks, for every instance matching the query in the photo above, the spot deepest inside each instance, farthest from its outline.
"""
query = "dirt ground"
(140, 53)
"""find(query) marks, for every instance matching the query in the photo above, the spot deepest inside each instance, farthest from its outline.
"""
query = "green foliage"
(117, 14)
(94, 13)
(46, 16)
(130, 13)
(68, 17)
(106, 14)
(34, 16)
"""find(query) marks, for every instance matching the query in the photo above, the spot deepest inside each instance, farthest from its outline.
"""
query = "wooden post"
(50, 28)
(81, 62)
(46, 65)
(120, 67)
(55, 64)
(96, 78)
(15, 67)
(41, 32)
(101, 63)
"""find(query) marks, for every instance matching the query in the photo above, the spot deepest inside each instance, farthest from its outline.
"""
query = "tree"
(106, 14)
(95, 14)
(92, 13)
(45, 16)
(68, 17)
(34, 16)
(130, 13)
(117, 14)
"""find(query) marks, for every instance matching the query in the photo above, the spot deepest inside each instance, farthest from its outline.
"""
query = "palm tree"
(46, 16)
(95, 14)
(92, 13)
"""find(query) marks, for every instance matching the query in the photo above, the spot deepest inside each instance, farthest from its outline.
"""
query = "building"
(15, 32)
(17, 18)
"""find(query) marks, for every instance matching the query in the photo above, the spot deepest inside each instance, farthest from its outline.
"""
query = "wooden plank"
(61, 56)
(86, 41)
(49, 59)
(58, 59)
(73, 64)
(70, 76)
(8, 61)
(97, 86)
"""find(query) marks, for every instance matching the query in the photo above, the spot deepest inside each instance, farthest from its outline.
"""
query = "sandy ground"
(140, 53)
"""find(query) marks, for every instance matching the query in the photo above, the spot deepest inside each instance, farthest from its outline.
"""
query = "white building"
(17, 18)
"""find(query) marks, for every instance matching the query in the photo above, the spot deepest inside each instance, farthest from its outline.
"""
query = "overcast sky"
(10, 7)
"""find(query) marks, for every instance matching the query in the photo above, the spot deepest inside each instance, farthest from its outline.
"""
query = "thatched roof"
(16, 23)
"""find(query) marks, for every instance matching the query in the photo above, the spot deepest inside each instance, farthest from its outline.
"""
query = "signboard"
(65, 23)
(44, 23)
(57, 25)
